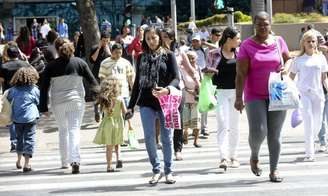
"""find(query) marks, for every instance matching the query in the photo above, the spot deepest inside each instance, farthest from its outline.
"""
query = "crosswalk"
(196, 174)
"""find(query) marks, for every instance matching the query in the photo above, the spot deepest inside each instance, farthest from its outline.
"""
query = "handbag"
(5, 110)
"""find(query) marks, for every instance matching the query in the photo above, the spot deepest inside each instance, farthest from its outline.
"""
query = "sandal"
(255, 167)
(155, 178)
(18, 166)
(275, 178)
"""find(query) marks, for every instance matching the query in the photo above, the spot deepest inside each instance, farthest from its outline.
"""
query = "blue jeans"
(12, 133)
(148, 117)
(25, 138)
(322, 132)
(325, 8)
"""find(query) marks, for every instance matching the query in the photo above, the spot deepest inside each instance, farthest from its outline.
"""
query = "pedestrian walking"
(310, 66)
(24, 96)
(62, 28)
(223, 60)
(25, 41)
(65, 76)
(252, 79)
(156, 73)
(110, 131)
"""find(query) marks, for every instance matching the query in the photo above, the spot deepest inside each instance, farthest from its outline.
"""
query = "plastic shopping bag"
(132, 139)
(283, 93)
(170, 108)
(207, 99)
(296, 118)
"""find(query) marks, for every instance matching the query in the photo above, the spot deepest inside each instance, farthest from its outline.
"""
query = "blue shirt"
(24, 101)
(62, 29)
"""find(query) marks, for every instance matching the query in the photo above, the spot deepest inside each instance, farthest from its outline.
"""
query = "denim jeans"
(12, 133)
(148, 117)
(25, 138)
(325, 8)
(322, 132)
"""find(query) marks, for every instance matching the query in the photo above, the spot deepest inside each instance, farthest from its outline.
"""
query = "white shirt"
(201, 58)
(192, 26)
(204, 35)
(309, 70)
(44, 30)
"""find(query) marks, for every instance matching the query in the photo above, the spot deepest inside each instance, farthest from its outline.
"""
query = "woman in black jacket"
(156, 73)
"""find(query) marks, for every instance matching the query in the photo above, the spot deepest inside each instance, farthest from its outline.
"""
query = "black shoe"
(124, 145)
(27, 169)
(13, 148)
(75, 168)
(119, 164)
(97, 117)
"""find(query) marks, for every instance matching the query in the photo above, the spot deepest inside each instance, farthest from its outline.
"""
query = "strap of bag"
(280, 55)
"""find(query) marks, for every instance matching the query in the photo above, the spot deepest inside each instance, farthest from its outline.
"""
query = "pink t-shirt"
(263, 59)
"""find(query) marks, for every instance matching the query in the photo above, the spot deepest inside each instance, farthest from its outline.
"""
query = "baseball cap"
(196, 37)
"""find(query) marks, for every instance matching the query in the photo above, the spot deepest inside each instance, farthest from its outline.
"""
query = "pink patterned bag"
(170, 104)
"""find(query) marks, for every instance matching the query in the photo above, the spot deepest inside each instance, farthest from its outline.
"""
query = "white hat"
(196, 37)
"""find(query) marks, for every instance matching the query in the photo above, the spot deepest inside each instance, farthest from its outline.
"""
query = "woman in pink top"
(258, 56)
(135, 48)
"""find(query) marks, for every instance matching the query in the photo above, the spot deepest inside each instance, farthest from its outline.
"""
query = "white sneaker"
(170, 179)
(234, 163)
(155, 178)
(322, 148)
(309, 159)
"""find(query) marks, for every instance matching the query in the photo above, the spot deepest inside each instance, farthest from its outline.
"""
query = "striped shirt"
(121, 69)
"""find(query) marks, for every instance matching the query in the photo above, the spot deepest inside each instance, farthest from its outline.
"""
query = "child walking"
(110, 131)
(191, 118)
(310, 66)
(24, 96)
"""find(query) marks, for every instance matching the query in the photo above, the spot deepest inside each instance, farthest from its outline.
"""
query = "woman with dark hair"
(25, 41)
(259, 55)
(223, 59)
(65, 76)
(156, 73)
(169, 42)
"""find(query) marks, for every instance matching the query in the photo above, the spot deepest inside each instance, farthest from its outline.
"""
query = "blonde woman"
(310, 66)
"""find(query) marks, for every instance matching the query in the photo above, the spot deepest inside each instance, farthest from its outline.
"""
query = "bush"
(285, 18)
(314, 17)
(240, 17)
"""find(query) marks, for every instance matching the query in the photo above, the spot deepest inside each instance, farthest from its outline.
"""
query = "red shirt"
(136, 47)
(26, 49)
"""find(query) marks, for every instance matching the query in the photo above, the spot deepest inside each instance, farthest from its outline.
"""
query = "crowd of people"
(139, 70)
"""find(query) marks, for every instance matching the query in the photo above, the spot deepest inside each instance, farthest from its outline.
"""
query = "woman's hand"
(160, 91)
(239, 104)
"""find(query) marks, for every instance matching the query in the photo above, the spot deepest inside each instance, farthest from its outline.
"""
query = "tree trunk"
(91, 35)
(89, 24)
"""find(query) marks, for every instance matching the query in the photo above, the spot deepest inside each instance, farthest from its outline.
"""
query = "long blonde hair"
(110, 89)
(306, 35)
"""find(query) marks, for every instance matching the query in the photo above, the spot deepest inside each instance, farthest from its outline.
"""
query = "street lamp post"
(174, 16)
(192, 10)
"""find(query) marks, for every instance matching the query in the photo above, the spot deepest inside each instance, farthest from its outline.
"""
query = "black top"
(102, 55)
(62, 67)
(168, 75)
(8, 69)
(225, 79)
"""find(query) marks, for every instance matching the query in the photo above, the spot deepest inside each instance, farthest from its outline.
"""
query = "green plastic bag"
(207, 99)
(132, 139)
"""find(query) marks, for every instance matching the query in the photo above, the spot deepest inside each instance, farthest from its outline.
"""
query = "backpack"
(5, 110)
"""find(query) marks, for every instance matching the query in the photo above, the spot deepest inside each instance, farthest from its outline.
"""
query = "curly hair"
(64, 48)
(109, 90)
(25, 76)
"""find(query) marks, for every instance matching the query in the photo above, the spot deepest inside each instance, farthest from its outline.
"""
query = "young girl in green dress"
(110, 131)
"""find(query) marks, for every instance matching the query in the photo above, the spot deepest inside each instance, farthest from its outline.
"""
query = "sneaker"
(12, 147)
(169, 179)
(178, 156)
(155, 178)
(159, 146)
(322, 148)
(309, 159)
(204, 132)
(75, 168)
(234, 163)
(119, 164)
